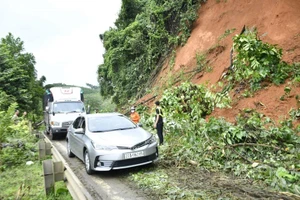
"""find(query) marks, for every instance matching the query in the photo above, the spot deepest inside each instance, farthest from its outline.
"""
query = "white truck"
(61, 106)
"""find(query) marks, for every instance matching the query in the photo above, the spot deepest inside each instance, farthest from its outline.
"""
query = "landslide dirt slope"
(277, 22)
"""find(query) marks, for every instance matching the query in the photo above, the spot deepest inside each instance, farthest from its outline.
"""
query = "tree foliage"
(146, 31)
(18, 74)
(18, 144)
(94, 100)
(5, 100)
(192, 102)
(256, 61)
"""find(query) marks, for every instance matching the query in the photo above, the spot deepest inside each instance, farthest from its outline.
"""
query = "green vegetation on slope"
(253, 149)
(215, 159)
(256, 61)
(146, 32)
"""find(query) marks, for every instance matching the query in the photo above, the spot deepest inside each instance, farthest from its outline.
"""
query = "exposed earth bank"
(277, 22)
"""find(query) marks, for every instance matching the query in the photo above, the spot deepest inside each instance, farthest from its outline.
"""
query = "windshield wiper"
(119, 129)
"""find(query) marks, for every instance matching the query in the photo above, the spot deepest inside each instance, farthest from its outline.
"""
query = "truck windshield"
(63, 107)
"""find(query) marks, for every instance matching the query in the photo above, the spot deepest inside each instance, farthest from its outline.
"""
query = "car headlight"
(103, 147)
(53, 123)
(152, 139)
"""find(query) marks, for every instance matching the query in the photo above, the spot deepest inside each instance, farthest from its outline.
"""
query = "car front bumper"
(121, 159)
(59, 130)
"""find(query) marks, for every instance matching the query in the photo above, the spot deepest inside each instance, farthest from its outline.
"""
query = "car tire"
(69, 151)
(87, 163)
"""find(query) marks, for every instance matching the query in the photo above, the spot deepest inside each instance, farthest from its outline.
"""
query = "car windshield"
(63, 107)
(109, 123)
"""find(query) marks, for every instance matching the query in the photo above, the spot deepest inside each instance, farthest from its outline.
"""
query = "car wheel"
(87, 163)
(52, 136)
(69, 152)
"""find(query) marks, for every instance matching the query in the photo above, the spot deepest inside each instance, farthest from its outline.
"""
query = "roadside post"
(57, 169)
(44, 149)
(53, 172)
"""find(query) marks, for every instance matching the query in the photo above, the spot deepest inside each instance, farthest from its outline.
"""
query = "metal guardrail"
(75, 187)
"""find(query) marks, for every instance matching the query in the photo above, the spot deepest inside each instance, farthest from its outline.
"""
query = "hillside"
(277, 22)
(252, 157)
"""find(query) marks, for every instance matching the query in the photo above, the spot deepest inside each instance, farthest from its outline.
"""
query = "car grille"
(66, 124)
(134, 161)
(139, 145)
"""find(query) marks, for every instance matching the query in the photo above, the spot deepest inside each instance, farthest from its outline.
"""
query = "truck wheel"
(47, 131)
(52, 136)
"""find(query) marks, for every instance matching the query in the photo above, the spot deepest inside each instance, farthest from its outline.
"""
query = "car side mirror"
(139, 125)
(88, 111)
(79, 131)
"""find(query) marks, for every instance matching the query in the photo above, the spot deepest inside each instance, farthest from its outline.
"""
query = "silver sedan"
(108, 141)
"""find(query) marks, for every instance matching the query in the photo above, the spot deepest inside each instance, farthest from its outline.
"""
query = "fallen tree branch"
(247, 144)
(255, 144)
(251, 144)
(246, 159)
(290, 194)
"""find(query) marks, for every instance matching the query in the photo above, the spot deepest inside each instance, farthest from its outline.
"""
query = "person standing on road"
(134, 116)
(159, 123)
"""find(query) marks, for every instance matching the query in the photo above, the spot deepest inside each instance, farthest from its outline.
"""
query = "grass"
(27, 182)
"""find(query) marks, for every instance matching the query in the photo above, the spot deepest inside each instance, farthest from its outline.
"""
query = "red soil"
(277, 22)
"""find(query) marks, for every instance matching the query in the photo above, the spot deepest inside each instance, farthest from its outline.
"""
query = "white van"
(61, 106)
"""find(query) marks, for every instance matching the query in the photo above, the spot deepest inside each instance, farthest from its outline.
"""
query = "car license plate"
(134, 154)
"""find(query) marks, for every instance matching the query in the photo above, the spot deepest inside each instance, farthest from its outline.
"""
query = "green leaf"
(228, 141)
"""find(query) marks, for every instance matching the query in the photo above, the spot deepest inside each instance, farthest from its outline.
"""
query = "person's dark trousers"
(159, 128)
